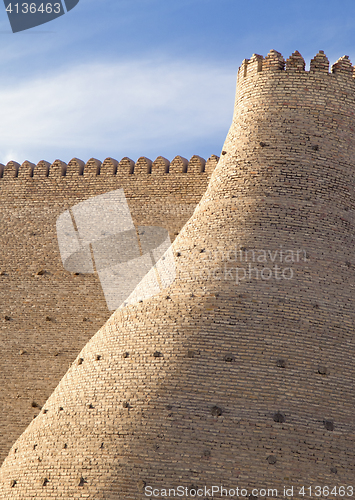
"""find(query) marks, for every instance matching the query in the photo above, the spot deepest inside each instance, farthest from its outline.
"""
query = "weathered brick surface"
(213, 382)
(36, 351)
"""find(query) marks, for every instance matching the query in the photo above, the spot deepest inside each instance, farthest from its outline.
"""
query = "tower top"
(274, 62)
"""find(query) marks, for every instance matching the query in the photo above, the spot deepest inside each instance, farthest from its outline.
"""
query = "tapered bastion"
(241, 372)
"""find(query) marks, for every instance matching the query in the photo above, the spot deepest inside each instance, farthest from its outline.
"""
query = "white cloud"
(96, 106)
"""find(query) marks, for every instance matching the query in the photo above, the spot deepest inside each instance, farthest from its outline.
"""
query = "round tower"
(240, 374)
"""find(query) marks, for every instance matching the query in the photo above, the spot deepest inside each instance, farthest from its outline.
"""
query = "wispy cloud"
(95, 107)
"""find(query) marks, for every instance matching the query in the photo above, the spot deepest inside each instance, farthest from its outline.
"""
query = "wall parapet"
(274, 62)
(110, 167)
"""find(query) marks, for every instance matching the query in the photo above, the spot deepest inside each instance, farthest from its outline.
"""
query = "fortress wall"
(249, 382)
(46, 318)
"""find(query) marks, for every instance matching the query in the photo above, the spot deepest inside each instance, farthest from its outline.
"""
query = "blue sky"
(147, 77)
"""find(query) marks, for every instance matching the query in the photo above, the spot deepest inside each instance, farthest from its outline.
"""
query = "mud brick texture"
(215, 380)
(48, 314)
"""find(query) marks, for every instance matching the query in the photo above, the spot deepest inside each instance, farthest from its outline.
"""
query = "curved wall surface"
(240, 373)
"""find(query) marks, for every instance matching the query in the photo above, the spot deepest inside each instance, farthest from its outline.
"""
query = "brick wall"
(47, 314)
(218, 381)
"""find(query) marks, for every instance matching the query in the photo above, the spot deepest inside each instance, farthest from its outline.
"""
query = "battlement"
(109, 168)
(274, 62)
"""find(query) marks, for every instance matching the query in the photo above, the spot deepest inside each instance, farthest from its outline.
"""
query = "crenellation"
(26, 170)
(274, 61)
(11, 170)
(42, 169)
(109, 167)
(243, 69)
(254, 65)
(196, 165)
(143, 166)
(319, 63)
(274, 66)
(178, 165)
(75, 168)
(160, 166)
(295, 62)
(92, 168)
(125, 167)
(211, 164)
(58, 169)
(343, 66)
